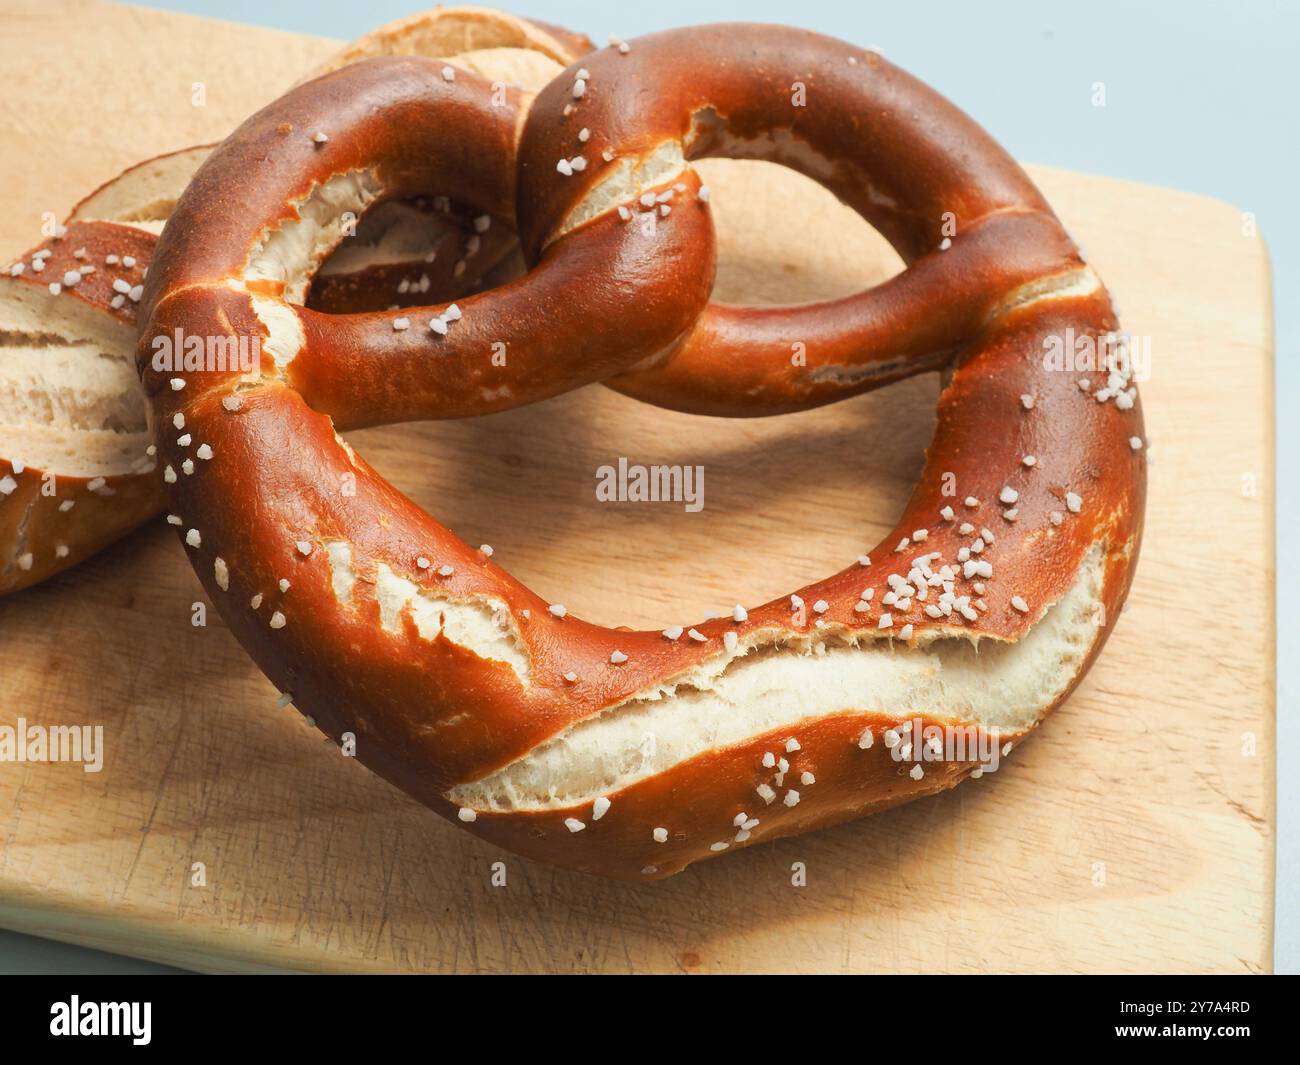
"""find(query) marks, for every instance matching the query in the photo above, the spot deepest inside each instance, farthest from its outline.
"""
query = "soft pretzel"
(632, 753)
(74, 472)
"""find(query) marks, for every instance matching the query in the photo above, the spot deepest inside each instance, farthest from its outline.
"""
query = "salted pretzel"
(76, 464)
(634, 753)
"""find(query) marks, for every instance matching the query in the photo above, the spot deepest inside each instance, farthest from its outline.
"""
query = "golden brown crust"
(1039, 457)
(82, 244)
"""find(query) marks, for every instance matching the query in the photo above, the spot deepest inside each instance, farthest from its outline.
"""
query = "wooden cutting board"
(1135, 832)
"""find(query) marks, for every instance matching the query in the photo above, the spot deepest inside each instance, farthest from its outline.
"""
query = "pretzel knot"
(625, 753)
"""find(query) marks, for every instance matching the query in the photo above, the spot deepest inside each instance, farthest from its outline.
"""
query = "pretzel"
(626, 753)
(75, 474)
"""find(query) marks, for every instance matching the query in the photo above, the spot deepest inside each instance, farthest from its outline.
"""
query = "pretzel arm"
(747, 362)
(516, 344)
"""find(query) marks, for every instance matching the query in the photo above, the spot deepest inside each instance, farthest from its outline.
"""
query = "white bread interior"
(521, 67)
(70, 402)
(393, 232)
(514, 48)
(146, 194)
(779, 682)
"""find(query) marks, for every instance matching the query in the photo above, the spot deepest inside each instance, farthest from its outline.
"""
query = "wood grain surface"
(1134, 833)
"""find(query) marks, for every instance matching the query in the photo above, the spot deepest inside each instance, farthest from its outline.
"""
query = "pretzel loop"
(386, 128)
(957, 208)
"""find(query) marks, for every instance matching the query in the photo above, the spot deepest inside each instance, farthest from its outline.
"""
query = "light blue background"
(1200, 96)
